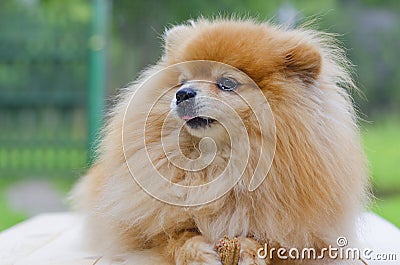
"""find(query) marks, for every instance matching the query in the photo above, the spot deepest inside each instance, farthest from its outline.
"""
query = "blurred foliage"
(43, 80)
(369, 30)
(34, 40)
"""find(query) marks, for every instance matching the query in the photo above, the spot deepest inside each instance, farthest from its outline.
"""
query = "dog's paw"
(228, 250)
(248, 252)
(197, 251)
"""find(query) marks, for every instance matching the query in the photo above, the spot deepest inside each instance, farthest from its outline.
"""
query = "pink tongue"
(187, 117)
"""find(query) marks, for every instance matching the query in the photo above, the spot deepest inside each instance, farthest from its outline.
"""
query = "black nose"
(184, 94)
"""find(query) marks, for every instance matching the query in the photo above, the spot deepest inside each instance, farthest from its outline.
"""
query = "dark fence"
(43, 91)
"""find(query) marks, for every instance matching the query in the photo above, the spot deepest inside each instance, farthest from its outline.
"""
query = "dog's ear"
(175, 36)
(304, 61)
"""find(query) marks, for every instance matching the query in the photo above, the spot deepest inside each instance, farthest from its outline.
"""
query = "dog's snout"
(184, 94)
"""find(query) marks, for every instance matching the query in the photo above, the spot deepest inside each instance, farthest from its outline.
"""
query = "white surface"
(380, 239)
(54, 239)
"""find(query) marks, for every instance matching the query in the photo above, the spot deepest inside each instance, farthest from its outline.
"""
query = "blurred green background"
(57, 56)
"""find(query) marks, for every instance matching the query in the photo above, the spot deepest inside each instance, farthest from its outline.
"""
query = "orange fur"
(317, 182)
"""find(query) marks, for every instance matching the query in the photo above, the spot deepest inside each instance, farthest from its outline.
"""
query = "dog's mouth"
(198, 122)
(191, 114)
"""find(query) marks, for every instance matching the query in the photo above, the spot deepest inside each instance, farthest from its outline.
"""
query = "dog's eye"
(227, 83)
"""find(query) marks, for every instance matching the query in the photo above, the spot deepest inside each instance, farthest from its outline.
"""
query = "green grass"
(8, 216)
(382, 146)
(388, 208)
(64, 185)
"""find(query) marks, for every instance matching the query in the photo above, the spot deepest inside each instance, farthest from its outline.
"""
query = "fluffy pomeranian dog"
(242, 129)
